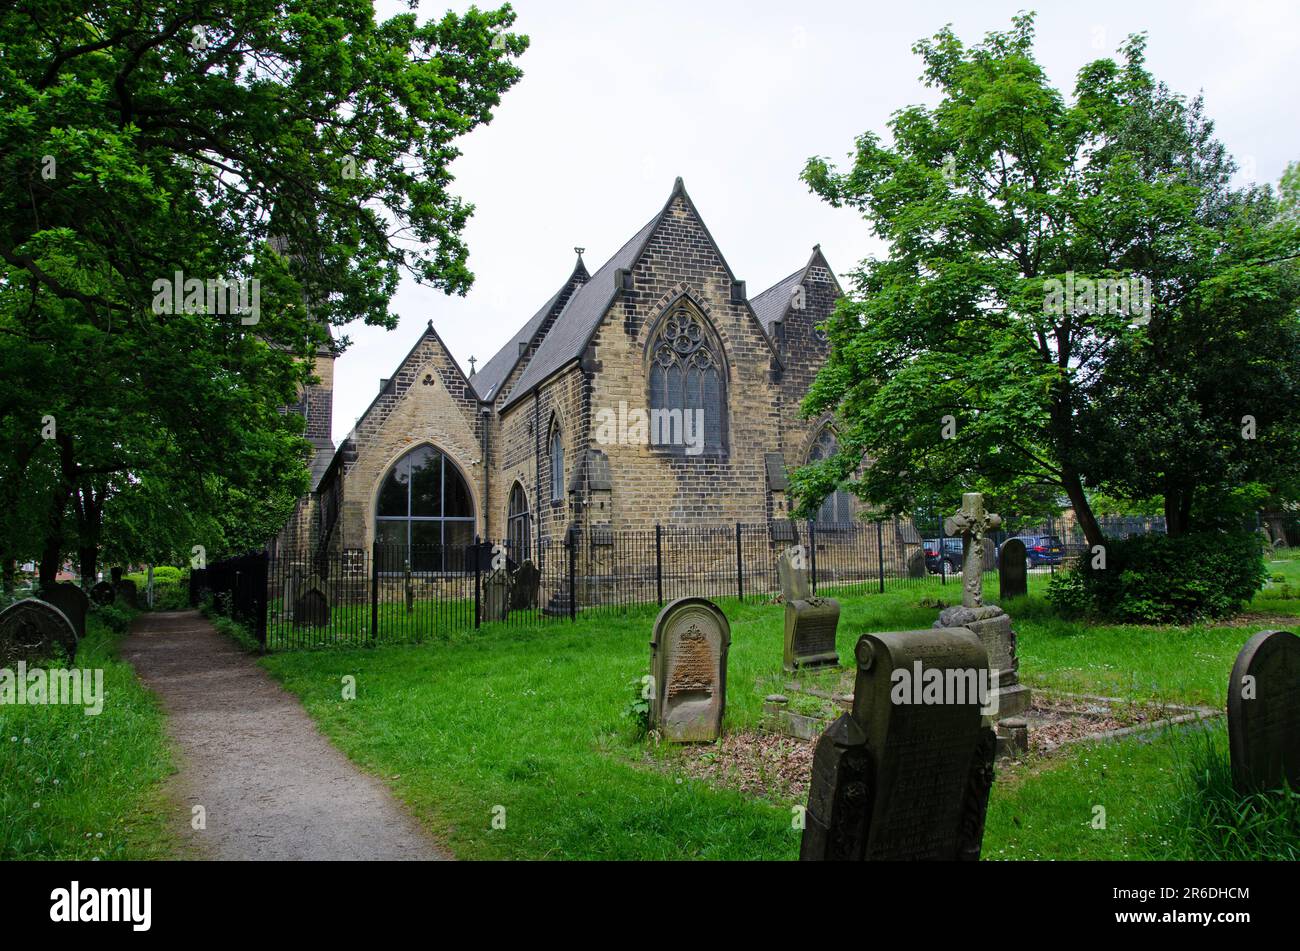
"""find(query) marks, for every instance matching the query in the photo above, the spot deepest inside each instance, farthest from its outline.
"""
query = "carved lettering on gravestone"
(1013, 579)
(901, 779)
(126, 592)
(102, 593)
(72, 601)
(810, 622)
(1264, 712)
(688, 659)
(31, 631)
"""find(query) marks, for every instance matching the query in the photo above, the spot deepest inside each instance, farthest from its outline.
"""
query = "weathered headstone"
(102, 593)
(126, 592)
(524, 586)
(916, 564)
(903, 776)
(496, 595)
(116, 574)
(688, 660)
(31, 630)
(312, 607)
(1013, 578)
(72, 601)
(989, 622)
(1264, 712)
(810, 621)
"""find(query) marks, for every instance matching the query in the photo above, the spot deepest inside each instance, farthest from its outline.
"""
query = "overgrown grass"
(83, 787)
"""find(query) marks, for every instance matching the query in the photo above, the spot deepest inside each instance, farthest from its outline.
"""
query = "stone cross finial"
(472, 361)
(971, 522)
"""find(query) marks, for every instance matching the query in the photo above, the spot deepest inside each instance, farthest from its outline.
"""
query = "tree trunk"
(87, 559)
(1178, 511)
(1082, 509)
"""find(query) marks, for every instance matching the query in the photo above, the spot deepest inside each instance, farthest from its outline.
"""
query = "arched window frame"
(836, 509)
(555, 453)
(448, 553)
(519, 524)
(670, 346)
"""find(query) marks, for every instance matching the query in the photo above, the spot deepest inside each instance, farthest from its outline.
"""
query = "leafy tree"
(142, 142)
(985, 352)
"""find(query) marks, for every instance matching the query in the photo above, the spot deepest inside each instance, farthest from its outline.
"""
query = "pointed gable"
(775, 303)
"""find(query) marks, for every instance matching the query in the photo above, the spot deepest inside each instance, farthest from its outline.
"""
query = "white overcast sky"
(619, 98)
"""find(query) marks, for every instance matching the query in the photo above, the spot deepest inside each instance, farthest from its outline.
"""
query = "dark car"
(1041, 550)
(952, 555)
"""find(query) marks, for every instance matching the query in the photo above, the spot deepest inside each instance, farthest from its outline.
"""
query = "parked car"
(1040, 550)
(952, 555)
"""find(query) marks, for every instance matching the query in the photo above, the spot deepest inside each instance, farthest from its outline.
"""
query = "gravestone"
(116, 574)
(916, 564)
(31, 630)
(989, 622)
(312, 607)
(72, 601)
(102, 593)
(688, 660)
(810, 621)
(524, 586)
(496, 595)
(126, 592)
(1013, 577)
(899, 777)
(1264, 713)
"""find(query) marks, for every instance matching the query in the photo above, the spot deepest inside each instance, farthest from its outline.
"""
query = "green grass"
(531, 719)
(83, 787)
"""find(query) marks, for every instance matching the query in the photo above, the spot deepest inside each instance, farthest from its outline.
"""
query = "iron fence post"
(659, 563)
(374, 593)
(478, 581)
(812, 552)
(573, 577)
(880, 553)
(943, 555)
(260, 592)
(740, 568)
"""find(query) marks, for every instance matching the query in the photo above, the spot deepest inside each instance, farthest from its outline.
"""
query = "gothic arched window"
(687, 386)
(518, 526)
(557, 463)
(837, 507)
(424, 513)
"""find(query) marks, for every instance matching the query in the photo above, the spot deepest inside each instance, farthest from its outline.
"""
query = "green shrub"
(113, 616)
(1154, 579)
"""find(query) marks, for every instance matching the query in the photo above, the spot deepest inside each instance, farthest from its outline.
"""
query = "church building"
(653, 390)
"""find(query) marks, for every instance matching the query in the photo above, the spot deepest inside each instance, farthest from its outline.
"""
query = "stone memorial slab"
(524, 586)
(688, 660)
(810, 621)
(72, 601)
(916, 564)
(116, 574)
(126, 593)
(1264, 713)
(906, 775)
(32, 631)
(1013, 576)
(102, 593)
(496, 595)
(312, 607)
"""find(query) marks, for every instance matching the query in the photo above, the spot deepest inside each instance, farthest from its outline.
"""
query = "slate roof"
(576, 323)
(498, 369)
(770, 306)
